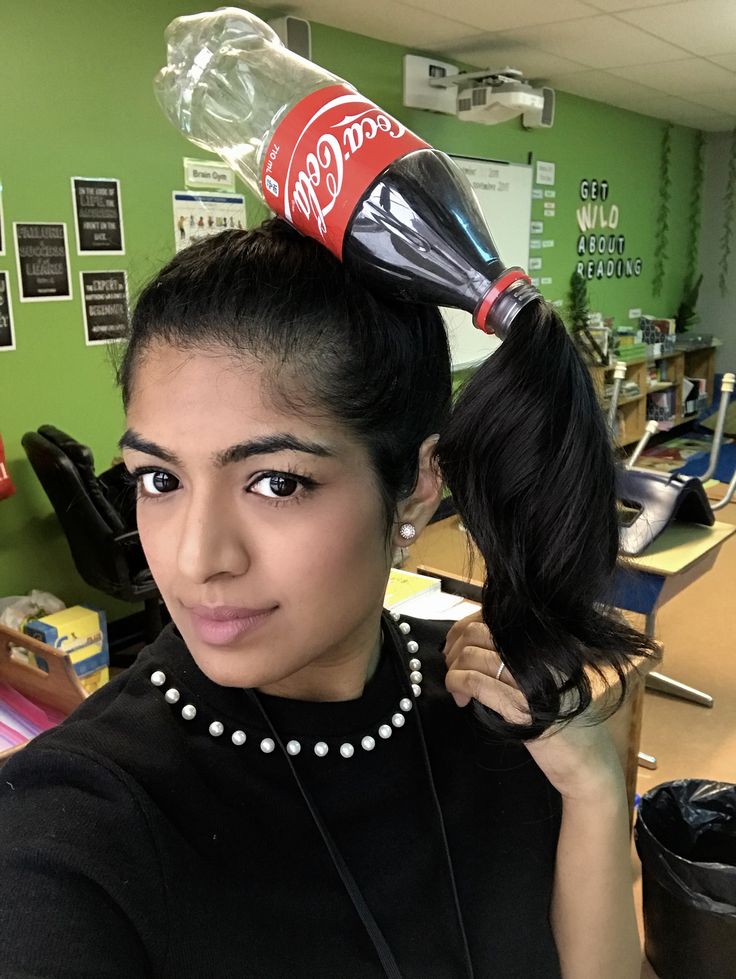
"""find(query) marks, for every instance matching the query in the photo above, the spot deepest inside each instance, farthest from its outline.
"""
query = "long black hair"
(529, 461)
(524, 449)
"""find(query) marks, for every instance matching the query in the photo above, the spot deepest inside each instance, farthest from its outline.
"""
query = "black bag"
(686, 838)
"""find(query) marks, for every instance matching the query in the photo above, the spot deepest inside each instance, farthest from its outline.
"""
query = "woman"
(285, 782)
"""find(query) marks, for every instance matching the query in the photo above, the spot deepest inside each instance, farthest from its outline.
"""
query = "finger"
(466, 685)
(474, 634)
(459, 627)
(485, 661)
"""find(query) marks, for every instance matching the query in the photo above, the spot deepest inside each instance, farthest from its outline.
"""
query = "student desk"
(643, 584)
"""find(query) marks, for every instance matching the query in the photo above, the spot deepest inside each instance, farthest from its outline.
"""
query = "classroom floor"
(698, 630)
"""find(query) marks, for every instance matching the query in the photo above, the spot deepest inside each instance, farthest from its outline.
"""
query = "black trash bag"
(686, 838)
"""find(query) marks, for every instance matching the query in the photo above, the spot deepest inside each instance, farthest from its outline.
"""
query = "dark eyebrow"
(268, 444)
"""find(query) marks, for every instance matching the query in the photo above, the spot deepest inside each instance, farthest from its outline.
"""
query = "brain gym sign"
(601, 247)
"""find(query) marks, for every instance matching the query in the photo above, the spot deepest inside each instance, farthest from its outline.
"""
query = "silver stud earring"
(407, 531)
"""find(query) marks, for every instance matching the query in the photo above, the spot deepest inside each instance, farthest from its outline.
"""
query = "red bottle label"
(324, 154)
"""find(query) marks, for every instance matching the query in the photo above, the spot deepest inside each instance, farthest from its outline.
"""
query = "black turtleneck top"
(135, 843)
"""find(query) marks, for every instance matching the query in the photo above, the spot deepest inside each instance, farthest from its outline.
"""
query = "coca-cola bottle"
(336, 166)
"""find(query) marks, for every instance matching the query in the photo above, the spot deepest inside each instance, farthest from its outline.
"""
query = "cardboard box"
(81, 632)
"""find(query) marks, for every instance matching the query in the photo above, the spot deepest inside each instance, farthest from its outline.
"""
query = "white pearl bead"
(413, 646)
(293, 747)
(415, 664)
(172, 695)
(415, 676)
(158, 679)
(405, 628)
(238, 737)
(189, 712)
(395, 616)
(321, 749)
(416, 689)
(405, 704)
(267, 746)
(368, 743)
(347, 750)
(216, 729)
(384, 731)
(398, 720)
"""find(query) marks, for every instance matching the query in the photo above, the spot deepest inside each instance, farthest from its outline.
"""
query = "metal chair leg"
(665, 684)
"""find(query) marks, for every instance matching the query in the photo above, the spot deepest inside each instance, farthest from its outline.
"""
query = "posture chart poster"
(7, 337)
(199, 215)
(43, 261)
(105, 305)
(97, 216)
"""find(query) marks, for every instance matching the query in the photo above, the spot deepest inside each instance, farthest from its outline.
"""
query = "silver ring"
(500, 670)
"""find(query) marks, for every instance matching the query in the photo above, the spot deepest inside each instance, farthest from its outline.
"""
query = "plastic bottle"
(337, 166)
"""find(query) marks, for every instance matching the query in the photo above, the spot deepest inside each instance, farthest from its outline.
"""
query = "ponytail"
(528, 460)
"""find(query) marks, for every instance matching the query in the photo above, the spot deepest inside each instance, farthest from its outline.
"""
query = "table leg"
(665, 684)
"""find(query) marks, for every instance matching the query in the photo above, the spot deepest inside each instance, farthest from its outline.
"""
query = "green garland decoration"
(728, 202)
(661, 235)
(696, 195)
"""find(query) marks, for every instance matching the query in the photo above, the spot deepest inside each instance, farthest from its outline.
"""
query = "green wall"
(77, 100)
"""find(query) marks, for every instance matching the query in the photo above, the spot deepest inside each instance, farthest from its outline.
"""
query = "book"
(405, 586)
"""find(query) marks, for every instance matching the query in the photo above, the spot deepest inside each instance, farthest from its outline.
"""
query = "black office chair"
(97, 514)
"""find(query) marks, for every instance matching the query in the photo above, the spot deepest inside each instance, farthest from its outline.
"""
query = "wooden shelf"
(632, 411)
(663, 386)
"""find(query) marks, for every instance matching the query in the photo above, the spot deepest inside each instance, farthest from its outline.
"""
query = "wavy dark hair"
(524, 449)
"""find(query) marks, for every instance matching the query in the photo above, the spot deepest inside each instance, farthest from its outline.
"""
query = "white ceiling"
(672, 60)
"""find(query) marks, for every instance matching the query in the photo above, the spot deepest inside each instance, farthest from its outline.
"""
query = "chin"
(234, 668)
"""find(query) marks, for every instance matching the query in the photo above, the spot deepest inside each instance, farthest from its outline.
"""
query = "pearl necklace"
(321, 748)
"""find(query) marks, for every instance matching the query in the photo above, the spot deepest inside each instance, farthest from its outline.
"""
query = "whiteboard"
(504, 192)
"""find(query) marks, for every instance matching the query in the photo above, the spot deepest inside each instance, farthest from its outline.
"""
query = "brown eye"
(276, 485)
(157, 483)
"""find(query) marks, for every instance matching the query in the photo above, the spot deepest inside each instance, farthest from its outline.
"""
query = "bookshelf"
(671, 369)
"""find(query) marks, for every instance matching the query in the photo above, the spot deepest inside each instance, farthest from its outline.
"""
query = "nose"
(211, 542)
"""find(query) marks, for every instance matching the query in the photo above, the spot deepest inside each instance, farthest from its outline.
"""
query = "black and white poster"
(7, 337)
(105, 305)
(43, 261)
(98, 216)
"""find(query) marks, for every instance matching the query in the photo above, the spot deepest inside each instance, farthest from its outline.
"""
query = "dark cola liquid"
(418, 233)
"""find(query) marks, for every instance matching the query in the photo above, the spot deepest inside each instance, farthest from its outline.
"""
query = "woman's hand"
(578, 758)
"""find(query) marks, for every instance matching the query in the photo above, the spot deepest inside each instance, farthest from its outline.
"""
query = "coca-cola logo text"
(316, 187)
(324, 155)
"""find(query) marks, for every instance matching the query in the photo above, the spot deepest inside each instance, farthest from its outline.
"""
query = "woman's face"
(264, 531)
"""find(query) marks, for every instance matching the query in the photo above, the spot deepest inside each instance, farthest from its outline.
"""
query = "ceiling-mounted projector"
(487, 96)
(491, 104)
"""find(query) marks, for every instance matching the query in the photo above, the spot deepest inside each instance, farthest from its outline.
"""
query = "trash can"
(686, 838)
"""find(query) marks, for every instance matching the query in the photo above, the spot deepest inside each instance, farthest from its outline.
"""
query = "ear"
(418, 508)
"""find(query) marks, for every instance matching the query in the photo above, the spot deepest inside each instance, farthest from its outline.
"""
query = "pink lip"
(223, 624)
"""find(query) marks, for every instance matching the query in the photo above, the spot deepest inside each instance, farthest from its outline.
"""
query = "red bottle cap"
(484, 316)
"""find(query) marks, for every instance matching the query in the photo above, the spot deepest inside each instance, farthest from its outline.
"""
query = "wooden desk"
(680, 554)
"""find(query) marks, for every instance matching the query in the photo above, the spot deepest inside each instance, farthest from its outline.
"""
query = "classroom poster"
(7, 337)
(97, 216)
(105, 306)
(43, 261)
(199, 215)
